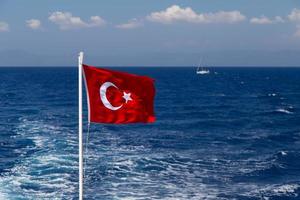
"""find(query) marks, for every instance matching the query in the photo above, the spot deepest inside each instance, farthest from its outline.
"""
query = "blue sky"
(150, 33)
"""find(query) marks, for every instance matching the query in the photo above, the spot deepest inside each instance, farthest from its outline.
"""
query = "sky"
(150, 33)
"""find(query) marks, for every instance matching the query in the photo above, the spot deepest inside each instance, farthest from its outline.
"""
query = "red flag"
(117, 97)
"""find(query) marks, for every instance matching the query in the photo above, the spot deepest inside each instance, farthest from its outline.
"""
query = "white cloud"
(96, 21)
(4, 27)
(297, 33)
(266, 20)
(175, 13)
(33, 24)
(66, 21)
(294, 15)
(278, 19)
(133, 23)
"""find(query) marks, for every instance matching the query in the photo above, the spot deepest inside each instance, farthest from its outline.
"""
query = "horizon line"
(154, 66)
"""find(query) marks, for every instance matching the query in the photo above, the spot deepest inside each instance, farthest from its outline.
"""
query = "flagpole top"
(81, 54)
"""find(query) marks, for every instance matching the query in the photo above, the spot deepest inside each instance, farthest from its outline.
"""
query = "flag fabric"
(118, 97)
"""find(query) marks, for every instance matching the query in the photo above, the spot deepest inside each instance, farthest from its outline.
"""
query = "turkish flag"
(117, 97)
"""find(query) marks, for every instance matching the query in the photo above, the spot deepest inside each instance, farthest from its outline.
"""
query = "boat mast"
(200, 62)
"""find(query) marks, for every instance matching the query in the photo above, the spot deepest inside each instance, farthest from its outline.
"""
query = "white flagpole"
(80, 60)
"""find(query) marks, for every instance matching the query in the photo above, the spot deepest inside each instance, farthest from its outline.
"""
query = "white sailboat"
(202, 71)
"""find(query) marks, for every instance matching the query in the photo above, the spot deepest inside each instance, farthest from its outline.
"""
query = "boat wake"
(47, 169)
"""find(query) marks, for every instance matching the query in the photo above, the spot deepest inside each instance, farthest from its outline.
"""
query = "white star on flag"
(127, 97)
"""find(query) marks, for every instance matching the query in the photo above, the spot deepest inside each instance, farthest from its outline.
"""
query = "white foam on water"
(135, 172)
(283, 153)
(46, 174)
(3, 196)
(272, 94)
(286, 190)
(39, 141)
(282, 110)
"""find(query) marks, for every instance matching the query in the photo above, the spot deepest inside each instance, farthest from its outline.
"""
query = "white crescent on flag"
(103, 97)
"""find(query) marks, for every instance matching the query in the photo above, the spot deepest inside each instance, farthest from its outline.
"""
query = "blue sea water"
(232, 134)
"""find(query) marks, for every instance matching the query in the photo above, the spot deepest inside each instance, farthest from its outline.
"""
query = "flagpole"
(80, 60)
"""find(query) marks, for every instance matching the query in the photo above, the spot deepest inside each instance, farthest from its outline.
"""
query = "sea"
(230, 134)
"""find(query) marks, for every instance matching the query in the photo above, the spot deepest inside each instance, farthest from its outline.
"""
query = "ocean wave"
(274, 167)
(269, 112)
(282, 110)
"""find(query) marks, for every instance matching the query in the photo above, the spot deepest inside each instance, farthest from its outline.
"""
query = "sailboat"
(202, 71)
